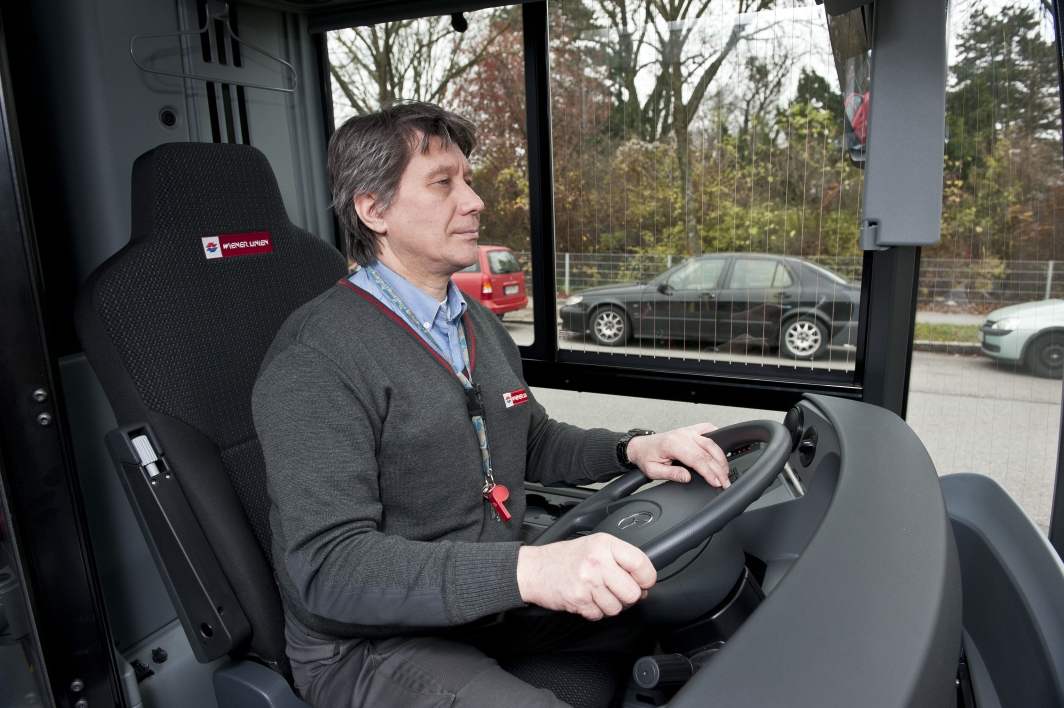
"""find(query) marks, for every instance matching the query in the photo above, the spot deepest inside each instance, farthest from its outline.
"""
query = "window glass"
(985, 386)
(738, 128)
(475, 268)
(704, 273)
(759, 274)
(479, 74)
(697, 274)
(503, 262)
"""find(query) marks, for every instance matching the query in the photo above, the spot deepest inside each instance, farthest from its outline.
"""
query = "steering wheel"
(670, 519)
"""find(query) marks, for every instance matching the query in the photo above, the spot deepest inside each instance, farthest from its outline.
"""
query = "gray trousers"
(455, 669)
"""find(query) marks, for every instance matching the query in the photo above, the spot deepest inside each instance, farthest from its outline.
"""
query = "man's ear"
(369, 213)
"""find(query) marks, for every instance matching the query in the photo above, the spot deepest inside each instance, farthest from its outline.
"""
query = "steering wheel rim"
(664, 547)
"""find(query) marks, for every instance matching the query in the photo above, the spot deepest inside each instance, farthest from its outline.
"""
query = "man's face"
(435, 217)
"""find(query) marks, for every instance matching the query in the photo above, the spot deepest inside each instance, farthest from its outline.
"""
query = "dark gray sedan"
(726, 300)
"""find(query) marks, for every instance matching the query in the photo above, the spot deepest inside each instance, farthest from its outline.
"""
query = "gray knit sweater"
(374, 471)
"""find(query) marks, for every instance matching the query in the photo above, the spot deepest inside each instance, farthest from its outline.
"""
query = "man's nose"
(470, 202)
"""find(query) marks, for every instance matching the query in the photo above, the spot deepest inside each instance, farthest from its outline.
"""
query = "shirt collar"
(424, 307)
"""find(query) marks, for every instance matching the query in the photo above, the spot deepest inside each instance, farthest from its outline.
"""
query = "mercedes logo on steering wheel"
(641, 518)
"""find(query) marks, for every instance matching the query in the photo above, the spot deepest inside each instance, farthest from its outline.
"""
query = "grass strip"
(934, 332)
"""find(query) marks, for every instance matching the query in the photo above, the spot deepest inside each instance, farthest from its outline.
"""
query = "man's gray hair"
(368, 155)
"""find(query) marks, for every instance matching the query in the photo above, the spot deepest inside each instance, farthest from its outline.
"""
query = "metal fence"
(945, 284)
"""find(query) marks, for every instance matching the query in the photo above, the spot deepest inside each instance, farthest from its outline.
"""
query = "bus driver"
(397, 431)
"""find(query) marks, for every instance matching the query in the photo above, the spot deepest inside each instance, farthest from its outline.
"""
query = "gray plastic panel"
(907, 123)
(243, 684)
(869, 614)
(1013, 591)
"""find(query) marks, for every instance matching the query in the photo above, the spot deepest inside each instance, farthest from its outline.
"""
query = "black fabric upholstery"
(581, 679)
(176, 339)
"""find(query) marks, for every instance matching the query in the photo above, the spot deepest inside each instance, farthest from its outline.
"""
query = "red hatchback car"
(496, 280)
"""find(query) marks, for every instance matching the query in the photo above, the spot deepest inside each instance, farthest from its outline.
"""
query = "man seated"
(398, 431)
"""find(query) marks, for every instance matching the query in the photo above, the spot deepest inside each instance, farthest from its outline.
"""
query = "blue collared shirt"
(442, 320)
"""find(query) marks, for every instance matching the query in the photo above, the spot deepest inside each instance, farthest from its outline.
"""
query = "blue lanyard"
(474, 401)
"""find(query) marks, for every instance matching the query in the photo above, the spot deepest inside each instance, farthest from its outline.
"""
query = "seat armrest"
(245, 684)
(206, 605)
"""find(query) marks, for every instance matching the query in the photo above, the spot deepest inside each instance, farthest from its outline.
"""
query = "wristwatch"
(622, 446)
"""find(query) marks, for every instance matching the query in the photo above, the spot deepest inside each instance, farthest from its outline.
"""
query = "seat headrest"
(179, 187)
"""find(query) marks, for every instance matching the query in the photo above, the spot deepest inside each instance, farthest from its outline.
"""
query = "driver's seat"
(175, 325)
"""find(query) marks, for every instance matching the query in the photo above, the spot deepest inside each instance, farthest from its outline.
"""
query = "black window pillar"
(39, 492)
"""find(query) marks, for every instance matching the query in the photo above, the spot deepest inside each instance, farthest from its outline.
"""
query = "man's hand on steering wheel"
(655, 454)
(594, 576)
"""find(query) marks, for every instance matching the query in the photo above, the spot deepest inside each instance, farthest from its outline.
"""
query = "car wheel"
(1045, 357)
(803, 338)
(609, 327)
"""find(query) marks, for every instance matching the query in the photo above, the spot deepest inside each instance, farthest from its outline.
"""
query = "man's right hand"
(594, 576)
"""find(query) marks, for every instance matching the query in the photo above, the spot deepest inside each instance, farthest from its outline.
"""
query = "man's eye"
(445, 180)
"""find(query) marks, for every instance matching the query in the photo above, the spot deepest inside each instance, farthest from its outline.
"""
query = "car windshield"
(503, 262)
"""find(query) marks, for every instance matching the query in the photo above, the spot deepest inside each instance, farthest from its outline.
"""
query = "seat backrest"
(175, 326)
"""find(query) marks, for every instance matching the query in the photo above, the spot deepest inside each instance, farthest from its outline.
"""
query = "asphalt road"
(973, 415)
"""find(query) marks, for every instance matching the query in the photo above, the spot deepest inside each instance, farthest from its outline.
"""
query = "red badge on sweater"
(515, 398)
(228, 245)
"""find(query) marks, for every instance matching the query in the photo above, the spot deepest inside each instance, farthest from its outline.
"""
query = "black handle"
(662, 670)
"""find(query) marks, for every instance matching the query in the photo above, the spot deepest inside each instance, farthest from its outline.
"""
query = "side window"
(759, 274)
(705, 274)
(678, 280)
(475, 268)
(734, 131)
(985, 384)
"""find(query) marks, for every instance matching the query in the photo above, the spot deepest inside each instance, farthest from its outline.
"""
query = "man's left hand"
(655, 454)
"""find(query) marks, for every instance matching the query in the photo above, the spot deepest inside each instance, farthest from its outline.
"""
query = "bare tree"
(412, 59)
(655, 36)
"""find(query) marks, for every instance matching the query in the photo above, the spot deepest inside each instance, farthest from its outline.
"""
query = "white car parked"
(1031, 333)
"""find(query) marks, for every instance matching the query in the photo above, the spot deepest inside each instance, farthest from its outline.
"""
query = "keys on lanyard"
(496, 495)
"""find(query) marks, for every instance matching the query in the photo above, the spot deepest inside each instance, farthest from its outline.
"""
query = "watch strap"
(622, 446)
